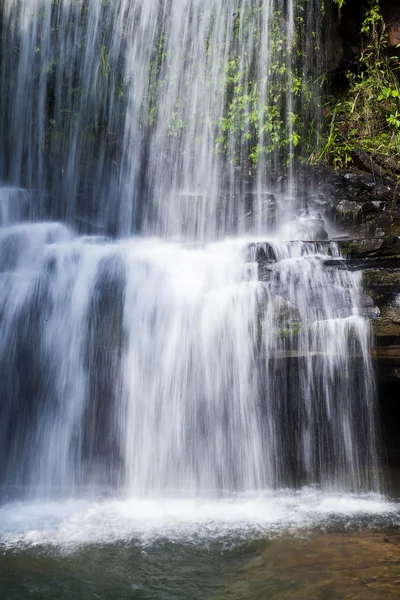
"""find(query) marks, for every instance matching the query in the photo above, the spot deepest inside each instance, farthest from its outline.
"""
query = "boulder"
(364, 161)
(388, 324)
(387, 248)
(260, 252)
(349, 212)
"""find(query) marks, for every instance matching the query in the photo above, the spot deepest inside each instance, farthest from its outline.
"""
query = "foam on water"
(68, 524)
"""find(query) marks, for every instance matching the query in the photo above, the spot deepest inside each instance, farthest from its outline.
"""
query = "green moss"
(385, 328)
(380, 277)
(346, 249)
(361, 248)
(290, 331)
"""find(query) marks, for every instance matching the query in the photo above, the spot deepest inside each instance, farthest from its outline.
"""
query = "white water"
(69, 524)
(178, 374)
(160, 368)
(113, 112)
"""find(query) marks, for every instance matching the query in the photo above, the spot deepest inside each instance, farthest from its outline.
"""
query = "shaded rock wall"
(379, 260)
(346, 40)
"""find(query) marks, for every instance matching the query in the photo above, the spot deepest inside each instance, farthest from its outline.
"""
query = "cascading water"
(124, 116)
(162, 368)
(151, 366)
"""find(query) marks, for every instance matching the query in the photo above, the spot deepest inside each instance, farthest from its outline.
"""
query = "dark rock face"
(105, 341)
(346, 41)
(379, 260)
(364, 205)
(383, 286)
(391, 15)
(384, 250)
(360, 204)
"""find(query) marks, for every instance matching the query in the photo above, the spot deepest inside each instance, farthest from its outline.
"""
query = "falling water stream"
(182, 380)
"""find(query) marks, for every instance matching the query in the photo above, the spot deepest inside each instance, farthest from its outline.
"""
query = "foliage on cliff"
(269, 81)
(366, 118)
(271, 114)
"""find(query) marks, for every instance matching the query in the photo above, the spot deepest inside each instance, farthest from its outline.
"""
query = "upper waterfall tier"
(161, 116)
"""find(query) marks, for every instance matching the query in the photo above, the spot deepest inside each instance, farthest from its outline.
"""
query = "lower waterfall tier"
(155, 367)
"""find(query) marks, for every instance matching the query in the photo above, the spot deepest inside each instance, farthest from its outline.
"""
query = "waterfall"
(158, 367)
(174, 361)
(131, 116)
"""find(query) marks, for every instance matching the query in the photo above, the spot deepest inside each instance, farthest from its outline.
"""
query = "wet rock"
(388, 324)
(390, 247)
(383, 286)
(285, 311)
(358, 202)
(388, 162)
(381, 277)
(387, 247)
(260, 209)
(379, 233)
(349, 212)
(364, 161)
(361, 248)
(366, 301)
(260, 252)
(370, 312)
(365, 187)
(264, 272)
(311, 226)
(105, 341)
(388, 349)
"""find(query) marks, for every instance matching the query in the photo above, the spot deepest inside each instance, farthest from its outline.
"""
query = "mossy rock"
(289, 331)
(349, 212)
(376, 277)
(387, 247)
(360, 248)
(388, 324)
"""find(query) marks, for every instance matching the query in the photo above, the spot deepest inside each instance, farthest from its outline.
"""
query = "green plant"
(289, 331)
(269, 96)
(272, 113)
(367, 116)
